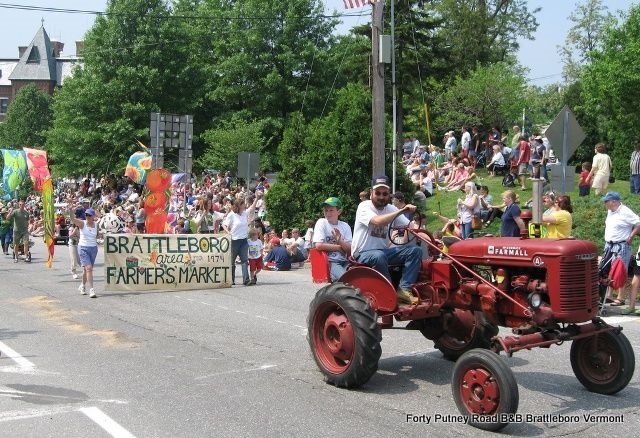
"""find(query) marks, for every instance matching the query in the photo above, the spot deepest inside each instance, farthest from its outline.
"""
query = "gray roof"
(43, 67)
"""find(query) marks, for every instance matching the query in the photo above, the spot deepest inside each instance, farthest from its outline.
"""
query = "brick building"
(41, 63)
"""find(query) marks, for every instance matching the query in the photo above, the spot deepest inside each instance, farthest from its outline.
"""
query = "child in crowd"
(583, 185)
(308, 237)
(334, 237)
(255, 254)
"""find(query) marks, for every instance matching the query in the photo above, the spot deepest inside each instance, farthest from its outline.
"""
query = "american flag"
(350, 4)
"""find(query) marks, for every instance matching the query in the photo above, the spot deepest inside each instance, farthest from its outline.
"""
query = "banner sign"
(136, 262)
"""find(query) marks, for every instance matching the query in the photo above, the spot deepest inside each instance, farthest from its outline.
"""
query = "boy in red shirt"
(583, 185)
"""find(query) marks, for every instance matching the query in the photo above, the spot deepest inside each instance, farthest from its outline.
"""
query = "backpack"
(509, 180)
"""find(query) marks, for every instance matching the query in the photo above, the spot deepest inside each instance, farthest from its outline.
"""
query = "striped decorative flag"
(351, 4)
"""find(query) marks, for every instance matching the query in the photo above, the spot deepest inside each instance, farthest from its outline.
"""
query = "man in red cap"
(371, 244)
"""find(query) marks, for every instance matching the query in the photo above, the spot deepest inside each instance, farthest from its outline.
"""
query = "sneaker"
(254, 280)
(92, 293)
(406, 297)
(28, 258)
(15, 260)
(75, 276)
(246, 282)
(81, 289)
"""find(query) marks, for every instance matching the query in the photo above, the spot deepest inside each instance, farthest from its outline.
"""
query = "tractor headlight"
(535, 300)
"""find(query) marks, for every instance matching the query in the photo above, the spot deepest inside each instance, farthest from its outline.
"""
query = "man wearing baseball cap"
(371, 244)
(278, 258)
(621, 226)
(333, 236)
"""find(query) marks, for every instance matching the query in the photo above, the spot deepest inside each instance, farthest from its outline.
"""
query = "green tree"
(27, 120)
(132, 67)
(327, 157)
(611, 89)
(224, 143)
(484, 31)
(490, 96)
(583, 37)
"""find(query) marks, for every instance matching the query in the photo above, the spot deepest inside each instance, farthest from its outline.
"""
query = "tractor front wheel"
(603, 363)
(344, 335)
(465, 330)
(484, 386)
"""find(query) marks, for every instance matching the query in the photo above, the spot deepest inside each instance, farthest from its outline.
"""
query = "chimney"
(57, 48)
(21, 50)
(79, 48)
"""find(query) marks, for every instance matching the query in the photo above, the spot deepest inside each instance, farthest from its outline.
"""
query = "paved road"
(235, 362)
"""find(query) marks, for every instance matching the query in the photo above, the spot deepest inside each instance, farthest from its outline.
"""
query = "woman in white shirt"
(87, 248)
(237, 225)
(497, 161)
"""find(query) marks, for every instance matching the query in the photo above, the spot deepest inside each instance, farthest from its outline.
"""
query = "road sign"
(562, 181)
(248, 165)
(555, 134)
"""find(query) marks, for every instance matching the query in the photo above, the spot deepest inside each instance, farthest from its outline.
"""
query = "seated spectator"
(278, 258)
(296, 248)
(497, 161)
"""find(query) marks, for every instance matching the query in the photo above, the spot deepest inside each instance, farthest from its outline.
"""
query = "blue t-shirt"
(509, 227)
(280, 256)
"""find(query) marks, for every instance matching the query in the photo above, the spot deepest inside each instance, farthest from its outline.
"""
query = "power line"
(173, 17)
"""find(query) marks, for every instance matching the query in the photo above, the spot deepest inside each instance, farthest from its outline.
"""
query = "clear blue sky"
(19, 27)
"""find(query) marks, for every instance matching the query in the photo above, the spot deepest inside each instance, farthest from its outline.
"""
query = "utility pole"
(377, 83)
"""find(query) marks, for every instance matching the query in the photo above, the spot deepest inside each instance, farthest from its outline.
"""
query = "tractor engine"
(547, 281)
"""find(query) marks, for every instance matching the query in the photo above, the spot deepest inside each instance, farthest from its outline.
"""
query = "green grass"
(589, 212)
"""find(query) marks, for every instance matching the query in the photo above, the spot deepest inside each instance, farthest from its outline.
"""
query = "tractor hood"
(514, 250)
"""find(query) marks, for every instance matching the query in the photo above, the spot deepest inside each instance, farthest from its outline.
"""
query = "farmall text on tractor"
(545, 290)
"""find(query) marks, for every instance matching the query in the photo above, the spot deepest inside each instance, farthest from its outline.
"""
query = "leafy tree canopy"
(27, 120)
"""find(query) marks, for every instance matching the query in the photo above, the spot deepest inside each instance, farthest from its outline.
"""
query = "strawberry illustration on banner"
(38, 166)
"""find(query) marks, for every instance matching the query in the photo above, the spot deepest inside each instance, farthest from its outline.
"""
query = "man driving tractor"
(370, 244)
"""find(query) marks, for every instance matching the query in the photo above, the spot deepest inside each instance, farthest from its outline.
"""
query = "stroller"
(612, 274)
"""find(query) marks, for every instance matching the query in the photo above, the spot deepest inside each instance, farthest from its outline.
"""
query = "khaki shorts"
(523, 169)
(20, 238)
(600, 183)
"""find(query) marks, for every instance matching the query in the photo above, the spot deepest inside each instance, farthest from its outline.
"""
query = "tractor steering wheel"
(400, 235)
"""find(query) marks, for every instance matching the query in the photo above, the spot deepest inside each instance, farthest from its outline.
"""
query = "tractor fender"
(373, 285)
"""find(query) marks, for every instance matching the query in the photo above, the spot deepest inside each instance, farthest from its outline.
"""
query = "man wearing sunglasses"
(371, 244)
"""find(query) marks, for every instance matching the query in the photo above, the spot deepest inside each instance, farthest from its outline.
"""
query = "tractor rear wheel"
(603, 363)
(466, 331)
(483, 385)
(344, 335)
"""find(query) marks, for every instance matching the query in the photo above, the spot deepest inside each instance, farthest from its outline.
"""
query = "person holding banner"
(237, 225)
(87, 248)
(20, 220)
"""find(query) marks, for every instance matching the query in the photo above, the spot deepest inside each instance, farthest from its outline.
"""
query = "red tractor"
(545, 290)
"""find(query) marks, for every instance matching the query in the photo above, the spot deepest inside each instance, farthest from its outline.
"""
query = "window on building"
(34, 55)
(4, 104)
